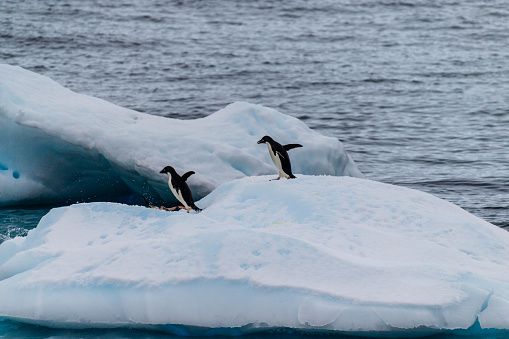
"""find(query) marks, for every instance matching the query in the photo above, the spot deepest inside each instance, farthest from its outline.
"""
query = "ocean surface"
(418, 91)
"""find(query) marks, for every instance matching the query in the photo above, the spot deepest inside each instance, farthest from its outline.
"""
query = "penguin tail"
(196, 208)
(291, 176)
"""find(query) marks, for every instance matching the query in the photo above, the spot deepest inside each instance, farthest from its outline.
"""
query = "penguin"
(280, 156)
(179, 188)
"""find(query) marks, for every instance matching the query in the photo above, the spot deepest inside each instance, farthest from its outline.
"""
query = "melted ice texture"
(57, 146)
(316, 252)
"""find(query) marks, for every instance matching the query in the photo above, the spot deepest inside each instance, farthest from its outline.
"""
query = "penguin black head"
(265, 139)
(168, 169)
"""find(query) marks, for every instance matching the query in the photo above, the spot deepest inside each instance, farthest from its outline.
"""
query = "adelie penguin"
(279, 156)
(179, 188)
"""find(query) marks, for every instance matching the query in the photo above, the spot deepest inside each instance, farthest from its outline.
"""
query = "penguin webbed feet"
(288, 177)
(195, 208)
(183, 208)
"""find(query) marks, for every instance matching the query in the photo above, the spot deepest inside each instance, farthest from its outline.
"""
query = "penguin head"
(265, 139)
(168, 169)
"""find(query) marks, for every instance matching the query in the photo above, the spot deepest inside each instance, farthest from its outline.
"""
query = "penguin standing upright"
(279, 156)
(179, 188)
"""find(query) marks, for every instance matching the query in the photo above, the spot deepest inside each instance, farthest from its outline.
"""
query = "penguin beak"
(162, 171)
(260, 141)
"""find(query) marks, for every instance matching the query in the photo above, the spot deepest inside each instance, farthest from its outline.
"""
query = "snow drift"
(313, 253)
(57, 146)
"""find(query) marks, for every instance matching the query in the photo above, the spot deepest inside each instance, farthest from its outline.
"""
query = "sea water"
(418, 91)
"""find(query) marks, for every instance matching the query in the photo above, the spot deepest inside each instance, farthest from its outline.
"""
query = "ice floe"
(313, 253)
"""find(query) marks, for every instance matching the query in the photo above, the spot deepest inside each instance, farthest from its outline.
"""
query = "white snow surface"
(317, 252)
(57, 146)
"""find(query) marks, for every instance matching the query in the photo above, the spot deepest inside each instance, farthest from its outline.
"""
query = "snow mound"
(314, 253)
(57, 146)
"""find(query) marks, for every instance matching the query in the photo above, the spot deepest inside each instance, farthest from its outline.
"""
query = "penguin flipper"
(187, 175)
(290, 146)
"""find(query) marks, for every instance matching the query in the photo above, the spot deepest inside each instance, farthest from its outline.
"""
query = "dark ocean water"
(418, 91)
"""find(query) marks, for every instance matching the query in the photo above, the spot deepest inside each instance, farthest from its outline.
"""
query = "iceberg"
(317, 253)
(60, 147)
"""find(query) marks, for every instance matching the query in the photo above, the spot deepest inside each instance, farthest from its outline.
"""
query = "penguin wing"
(187, 175)
(290, 146)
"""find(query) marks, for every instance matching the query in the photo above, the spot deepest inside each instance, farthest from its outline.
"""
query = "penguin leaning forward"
(180, 189)
(279, 156)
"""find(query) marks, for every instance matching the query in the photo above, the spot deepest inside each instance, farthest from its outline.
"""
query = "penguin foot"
(184, 208)
(275, 179)
(168, 209)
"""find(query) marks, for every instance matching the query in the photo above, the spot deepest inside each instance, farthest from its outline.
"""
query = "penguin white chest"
(176, 192)
(277, 161)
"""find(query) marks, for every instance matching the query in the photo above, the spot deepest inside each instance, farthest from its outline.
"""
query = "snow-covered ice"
(57, 146)
(317, 252)
(330, 252)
